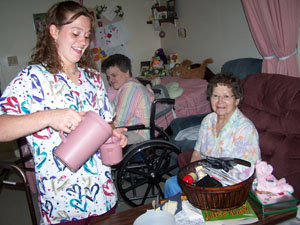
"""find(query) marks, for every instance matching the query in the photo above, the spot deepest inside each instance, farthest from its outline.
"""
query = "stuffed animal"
(161, 54)
(159, 60)
(267, 182)
(184, 69)
(157, 63)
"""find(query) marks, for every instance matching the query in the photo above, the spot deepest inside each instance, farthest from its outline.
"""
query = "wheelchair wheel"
(144, 169)
(161, 134)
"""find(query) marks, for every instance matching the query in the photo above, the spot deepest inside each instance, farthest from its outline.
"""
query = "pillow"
(174, 89)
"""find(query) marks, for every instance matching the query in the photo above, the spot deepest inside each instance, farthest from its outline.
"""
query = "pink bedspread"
(193, 100)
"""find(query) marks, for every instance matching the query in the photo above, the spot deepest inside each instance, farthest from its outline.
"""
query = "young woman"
(50, 95)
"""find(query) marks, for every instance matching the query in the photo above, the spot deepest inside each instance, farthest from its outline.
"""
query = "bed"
(192, 101)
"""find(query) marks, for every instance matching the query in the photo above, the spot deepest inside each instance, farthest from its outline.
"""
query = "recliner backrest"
(242, 67)
(272, 103)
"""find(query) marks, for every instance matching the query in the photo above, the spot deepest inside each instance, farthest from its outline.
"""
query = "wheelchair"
(147, 165)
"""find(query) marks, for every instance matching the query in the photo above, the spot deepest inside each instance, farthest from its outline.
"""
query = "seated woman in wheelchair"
(225, 132)
(133, 100)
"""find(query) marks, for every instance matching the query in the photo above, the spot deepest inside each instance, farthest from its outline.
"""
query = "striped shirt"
(132, 105)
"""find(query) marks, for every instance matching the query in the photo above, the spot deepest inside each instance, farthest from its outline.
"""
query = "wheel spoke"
(136, 185)
(136, 171)
(146, 193)
(160, 159)
(161, 193)
(143, 171)
(146, 159)
(167, 170)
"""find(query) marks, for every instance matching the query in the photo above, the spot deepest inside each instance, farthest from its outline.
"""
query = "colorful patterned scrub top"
(238, 138)
(64, 195)
(133, 104)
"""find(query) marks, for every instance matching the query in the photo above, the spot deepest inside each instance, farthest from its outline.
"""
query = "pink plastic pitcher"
(84, 141)
(111, 151)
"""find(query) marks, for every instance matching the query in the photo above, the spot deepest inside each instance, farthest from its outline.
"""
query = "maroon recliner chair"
(272, 103)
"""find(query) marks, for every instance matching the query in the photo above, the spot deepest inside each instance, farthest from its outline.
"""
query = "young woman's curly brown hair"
(45, 51)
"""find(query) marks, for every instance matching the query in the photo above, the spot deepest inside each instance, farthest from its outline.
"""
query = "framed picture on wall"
(37, 20)
(145, 67)
(171, 8)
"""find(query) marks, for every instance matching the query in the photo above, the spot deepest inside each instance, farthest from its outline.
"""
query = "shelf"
(168, 20)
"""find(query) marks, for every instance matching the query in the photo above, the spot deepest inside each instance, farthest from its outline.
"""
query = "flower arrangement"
(102, 8)
(119, 11)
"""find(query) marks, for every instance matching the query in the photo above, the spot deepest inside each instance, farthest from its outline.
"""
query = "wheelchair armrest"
(135, 127)
(156, 91)
(170, 101)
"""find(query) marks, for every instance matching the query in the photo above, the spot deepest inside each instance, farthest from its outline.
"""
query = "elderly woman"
(225, 132)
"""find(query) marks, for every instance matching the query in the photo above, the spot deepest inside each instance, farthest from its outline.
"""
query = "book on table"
(241, 215)
(269, 203)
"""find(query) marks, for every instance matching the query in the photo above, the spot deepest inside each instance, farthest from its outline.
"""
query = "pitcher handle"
(62, 136)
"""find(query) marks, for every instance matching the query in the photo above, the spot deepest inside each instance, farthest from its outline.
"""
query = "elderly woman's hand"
(118, 133)
(195, 156)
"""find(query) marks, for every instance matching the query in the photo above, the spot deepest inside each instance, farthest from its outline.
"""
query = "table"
(127, 217)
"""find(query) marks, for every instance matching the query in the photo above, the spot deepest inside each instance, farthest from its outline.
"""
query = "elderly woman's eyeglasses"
(224, 97)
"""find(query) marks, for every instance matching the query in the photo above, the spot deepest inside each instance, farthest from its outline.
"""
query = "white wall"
(18, 34)
(215, 28)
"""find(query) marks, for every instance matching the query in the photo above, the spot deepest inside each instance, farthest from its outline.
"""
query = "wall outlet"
(12, 60)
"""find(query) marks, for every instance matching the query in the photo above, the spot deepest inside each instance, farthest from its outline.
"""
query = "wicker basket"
(214, 198)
